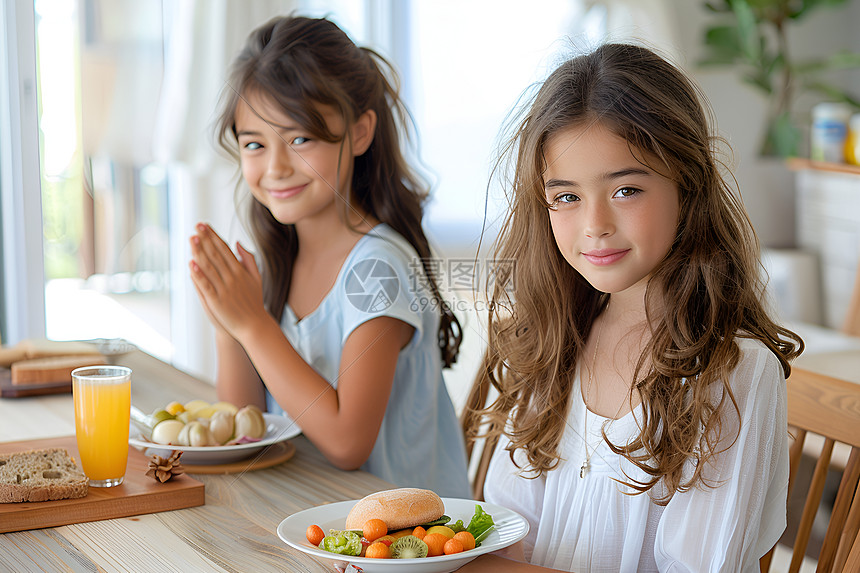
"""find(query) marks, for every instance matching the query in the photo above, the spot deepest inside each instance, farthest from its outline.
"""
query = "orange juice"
(102, 398)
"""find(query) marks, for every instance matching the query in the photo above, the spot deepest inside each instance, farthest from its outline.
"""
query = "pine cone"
(162, 469)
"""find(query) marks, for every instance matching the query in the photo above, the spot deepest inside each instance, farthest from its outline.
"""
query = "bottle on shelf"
(852, 142)
(829, 131)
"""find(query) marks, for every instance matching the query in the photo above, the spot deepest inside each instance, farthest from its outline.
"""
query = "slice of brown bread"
(40, 475)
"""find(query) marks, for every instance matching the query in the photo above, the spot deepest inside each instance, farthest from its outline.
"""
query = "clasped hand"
(230, 287)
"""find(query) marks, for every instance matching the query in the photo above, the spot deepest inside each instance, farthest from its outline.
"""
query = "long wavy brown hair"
(299, 64)
(706, 292)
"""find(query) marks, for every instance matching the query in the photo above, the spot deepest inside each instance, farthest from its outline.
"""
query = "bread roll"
(398, 508)
(40, 475)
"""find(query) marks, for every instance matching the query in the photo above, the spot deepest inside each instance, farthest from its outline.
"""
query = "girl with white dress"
(642, 407)
(343, 328)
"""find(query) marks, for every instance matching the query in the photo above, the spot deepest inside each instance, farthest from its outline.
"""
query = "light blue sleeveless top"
(420, 443)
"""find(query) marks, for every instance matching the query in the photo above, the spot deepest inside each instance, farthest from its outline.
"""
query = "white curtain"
(205, 36)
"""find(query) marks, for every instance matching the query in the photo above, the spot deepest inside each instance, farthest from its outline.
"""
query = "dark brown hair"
(710, 284)
(299, 64)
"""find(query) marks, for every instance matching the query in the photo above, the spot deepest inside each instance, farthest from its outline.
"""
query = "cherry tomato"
(378, 550)
(453, 546)
(466, 538)
(374, 529)
(315, 535)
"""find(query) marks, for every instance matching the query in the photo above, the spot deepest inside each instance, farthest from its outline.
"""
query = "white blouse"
(590, 524)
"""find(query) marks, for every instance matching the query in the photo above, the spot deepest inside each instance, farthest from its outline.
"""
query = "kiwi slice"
(408, 547)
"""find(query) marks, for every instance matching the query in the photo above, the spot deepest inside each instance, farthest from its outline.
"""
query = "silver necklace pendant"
(583, 469)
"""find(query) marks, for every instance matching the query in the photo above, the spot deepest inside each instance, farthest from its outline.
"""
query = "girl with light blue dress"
(342, 328)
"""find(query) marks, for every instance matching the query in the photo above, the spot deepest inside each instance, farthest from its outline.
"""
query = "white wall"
(767, 187)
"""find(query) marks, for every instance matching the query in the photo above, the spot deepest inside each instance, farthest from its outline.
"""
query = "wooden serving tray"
(138, 494)
(273, 455)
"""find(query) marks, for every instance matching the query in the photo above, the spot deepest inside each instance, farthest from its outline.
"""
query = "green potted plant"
(752, 35)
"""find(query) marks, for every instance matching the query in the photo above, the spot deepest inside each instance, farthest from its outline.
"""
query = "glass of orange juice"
(102, 396)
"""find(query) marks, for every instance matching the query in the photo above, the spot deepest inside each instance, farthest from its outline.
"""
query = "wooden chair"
(829, 407)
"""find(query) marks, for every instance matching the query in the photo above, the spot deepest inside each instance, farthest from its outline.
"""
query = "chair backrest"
(828, 407)
(852, 317)
(853, 562)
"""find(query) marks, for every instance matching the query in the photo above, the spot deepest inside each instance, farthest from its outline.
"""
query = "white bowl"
(278, 429)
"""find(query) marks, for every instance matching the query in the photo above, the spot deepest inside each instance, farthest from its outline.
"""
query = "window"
(120, 192)
(104, 196)
(467, 65)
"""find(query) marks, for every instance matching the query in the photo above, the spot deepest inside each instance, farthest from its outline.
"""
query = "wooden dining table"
(235, 530)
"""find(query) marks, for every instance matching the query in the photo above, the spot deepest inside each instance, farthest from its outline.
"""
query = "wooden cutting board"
(9, 390)
(138, 494)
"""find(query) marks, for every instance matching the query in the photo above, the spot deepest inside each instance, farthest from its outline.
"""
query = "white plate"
(510, 528)
(278, 429)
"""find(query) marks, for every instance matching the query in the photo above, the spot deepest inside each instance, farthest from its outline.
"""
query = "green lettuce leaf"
(481, 525)
(342, 542)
